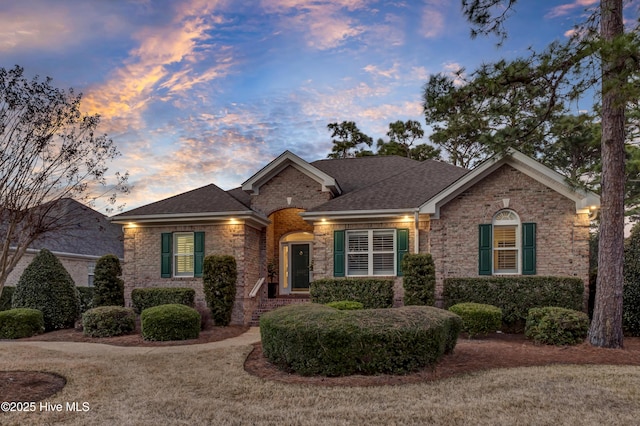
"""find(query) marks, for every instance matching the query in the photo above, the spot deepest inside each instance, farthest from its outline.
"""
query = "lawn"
(198, 385)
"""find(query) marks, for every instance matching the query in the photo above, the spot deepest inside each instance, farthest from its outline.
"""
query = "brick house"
(357, 217)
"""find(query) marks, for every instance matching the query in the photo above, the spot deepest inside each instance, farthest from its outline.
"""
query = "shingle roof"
(356, 173)
(207, 199)
(82, 231)
(406, 188)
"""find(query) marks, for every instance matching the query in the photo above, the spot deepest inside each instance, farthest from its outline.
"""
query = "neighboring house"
(357, 217)
(82, 237)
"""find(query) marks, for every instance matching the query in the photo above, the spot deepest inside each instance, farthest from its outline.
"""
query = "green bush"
(345, 305)
(107, 321)
(170, 322)
(419, 279)
(478, 318)
(557, 326)
(143, 298)
(109, 287)
(515, 295)
(631, 291)
(86, 298)
(20, 322)
(46, 285)
(219, 276)
(5, 297)
(372, 293)
(314, 339)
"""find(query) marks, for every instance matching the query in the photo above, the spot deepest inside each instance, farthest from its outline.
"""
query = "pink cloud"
(566, 8)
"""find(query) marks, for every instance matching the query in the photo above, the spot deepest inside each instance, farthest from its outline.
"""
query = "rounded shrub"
(557, 326)
(219, 276)
(314, 339)
(46, 285)
(478, 318)
(20, 322)
(5, 297)
(107, 321)
(170, 322)
(419, 279)
(109, 287)
(86, 298)
(346, 305)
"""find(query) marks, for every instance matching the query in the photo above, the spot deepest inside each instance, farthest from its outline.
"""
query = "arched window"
(506, 242)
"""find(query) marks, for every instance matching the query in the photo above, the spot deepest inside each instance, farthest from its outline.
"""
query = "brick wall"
(78, 268)
(142, 250)
(305, 192)
(562, 236)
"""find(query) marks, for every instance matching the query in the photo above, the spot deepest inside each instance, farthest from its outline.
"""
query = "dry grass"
(209, 386)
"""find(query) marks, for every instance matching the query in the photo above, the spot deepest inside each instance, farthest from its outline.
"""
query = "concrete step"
(267, 305)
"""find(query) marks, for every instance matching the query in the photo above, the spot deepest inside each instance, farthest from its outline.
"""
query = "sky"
(195, 92)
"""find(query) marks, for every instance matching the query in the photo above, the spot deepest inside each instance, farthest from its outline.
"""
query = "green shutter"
(338, 254)
(165, 265)
(485, 249)
(528, 249)
(402, 247)
(198, 253)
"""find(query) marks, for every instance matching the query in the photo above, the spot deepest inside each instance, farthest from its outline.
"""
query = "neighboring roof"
(289, 159)
(519, 161)
(406, 189)
(356, 173)
(82, 231)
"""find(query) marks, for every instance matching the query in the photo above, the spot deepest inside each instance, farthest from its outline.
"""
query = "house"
(78, 239)
(357, 217)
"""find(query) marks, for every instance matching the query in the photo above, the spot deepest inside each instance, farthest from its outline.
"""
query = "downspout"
(416, 230)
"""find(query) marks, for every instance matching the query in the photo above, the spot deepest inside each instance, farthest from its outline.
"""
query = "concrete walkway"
(247, 338)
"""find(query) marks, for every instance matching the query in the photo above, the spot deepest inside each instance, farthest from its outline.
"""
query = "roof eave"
(245, 215)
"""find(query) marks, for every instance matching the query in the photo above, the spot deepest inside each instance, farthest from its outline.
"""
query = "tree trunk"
(606, 326)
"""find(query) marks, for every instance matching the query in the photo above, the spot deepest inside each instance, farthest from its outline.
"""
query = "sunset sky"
(203, 91)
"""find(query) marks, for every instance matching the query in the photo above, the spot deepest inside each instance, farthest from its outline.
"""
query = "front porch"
(266, 305)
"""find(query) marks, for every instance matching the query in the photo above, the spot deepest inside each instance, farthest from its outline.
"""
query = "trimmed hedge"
(86, 298)
(419, 279)
(170, 322)
(219, 278)
(46, 285)
(144, 298)
(345, 305)
(20, 322)
(372, 293)
(314, 339)
(109, 287)
(515, 295)
(557, 326)
(107, 321)
(478, 318)
(5, 297)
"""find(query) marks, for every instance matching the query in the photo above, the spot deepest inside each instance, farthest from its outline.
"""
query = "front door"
(299, 267)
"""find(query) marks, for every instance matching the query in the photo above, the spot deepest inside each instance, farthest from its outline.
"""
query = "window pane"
(382, 241)
(504, 236)
(357, 241)
(183, 249)
(184, 265)
(358, 264)
(506, 260)
(383, 263)
(184, 244)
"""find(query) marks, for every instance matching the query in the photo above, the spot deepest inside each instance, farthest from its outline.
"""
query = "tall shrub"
(109, 287)
(219, 278)
(631, 293)
(419, 279)
(47, 286)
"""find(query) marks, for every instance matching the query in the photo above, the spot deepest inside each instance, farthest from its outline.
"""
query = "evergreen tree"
(109, 287)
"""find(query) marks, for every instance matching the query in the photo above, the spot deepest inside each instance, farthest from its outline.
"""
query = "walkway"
(247, 338)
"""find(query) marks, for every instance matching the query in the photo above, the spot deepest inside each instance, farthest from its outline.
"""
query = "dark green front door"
(300, 267)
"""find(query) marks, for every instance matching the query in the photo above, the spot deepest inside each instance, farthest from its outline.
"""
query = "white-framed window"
(506, 243)
(183, 254)
(371, 252)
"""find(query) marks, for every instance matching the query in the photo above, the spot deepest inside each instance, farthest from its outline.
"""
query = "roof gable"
(289, 159)
(532, 168)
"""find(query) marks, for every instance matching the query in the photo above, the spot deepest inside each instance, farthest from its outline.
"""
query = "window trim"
(503, 223)
(175, 254)
(370, 252)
